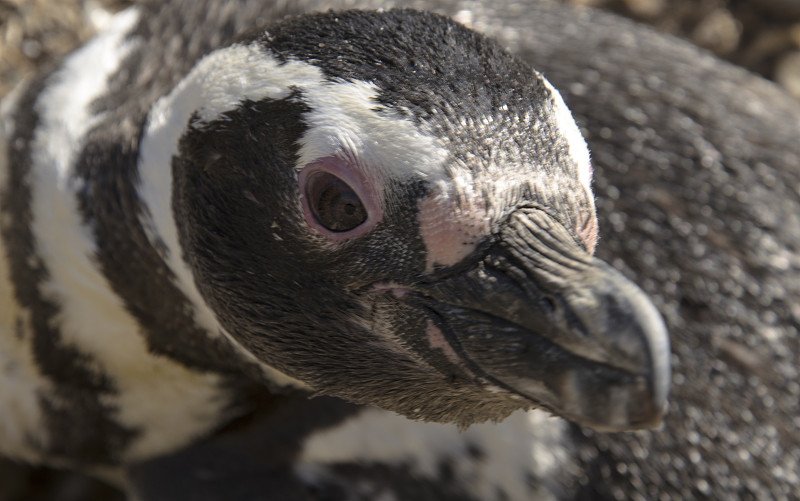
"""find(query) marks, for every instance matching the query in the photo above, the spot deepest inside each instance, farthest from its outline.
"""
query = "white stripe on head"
(575, 141)
(216, 84)
(65, 104)
(524, 445)
(347, 121)
(92, 317)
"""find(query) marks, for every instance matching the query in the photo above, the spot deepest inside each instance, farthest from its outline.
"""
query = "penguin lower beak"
(540, 317)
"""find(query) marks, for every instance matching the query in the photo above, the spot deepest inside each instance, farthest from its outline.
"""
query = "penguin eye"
(338, 200)
(334, 204)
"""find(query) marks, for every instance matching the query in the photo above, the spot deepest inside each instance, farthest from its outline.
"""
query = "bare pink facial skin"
(451, 228)
(437, 341)
(396, 290)
(368, 190)
(588, 233)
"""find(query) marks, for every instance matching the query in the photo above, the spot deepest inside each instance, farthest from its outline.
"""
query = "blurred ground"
(762, 35)
(35, 33)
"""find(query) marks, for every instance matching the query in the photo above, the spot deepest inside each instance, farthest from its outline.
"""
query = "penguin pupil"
(337, 206)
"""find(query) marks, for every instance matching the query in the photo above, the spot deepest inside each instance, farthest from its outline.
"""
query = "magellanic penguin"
(383, 207)
(203, 266)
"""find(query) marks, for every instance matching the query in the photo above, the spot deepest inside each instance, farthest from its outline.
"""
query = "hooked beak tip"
(630, 389)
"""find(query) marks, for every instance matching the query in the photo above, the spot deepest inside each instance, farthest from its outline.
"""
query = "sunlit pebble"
(753, 484)
(649, 227)
(789, 368)
(617, 220)
(711, 434)
(636, 483)
(640, 452)
(698, 250)
(683, 228)
(720, 469)
(577, 89)
(673, 479)
(605, 470)
(649, 259)
(757, 444)
(31, 48)
(773, 449)
(791, 473)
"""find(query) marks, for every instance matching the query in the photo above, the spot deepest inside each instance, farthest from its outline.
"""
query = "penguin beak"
(540, 317)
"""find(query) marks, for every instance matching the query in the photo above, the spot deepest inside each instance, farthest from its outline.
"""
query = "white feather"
(575, 141)
(524, 445)
(216, 84)
(92, 318)
(20, 380)
(345, 122)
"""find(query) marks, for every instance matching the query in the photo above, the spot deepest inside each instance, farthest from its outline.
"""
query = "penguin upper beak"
(542, 318)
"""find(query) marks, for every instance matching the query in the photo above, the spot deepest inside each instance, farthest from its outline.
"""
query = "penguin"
(679, 172)
(382, 207)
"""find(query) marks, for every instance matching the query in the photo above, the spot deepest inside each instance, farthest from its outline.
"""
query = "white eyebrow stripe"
(578, 150)
(346, 119)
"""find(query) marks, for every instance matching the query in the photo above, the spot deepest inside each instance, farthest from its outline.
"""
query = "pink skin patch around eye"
(368, 191)
(449, 229)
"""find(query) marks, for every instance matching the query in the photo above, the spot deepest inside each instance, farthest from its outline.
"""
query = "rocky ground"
(762, 35)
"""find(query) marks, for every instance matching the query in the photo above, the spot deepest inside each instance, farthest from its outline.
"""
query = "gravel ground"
(762, 35)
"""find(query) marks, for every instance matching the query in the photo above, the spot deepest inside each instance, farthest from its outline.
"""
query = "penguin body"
(140, 296)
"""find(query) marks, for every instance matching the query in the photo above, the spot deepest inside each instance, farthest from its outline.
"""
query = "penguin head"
(394, 210)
